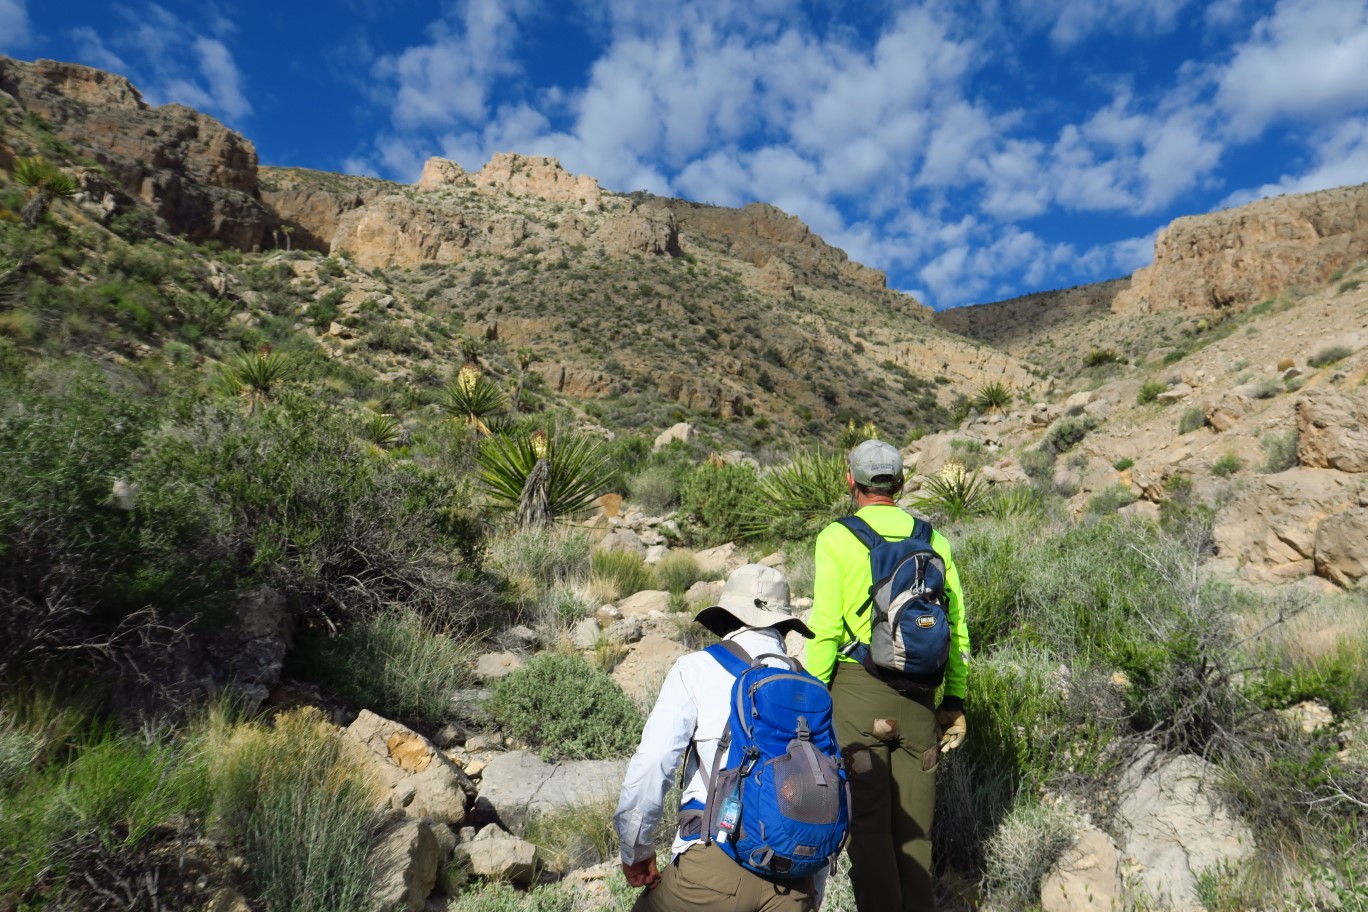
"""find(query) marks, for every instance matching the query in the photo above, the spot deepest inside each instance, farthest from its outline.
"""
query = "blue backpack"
(909, 633)
(780, 803)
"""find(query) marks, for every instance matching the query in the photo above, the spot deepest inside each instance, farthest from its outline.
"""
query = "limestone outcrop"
(1239, 257)
(197, 174)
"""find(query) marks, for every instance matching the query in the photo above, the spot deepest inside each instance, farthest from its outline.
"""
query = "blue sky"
(975, 150)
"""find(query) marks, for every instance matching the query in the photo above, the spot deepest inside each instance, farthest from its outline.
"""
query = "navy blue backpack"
(779, 804)
(909, 632)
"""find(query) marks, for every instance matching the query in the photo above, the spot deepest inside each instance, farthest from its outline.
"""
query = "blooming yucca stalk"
(472, 397)
(852, 435)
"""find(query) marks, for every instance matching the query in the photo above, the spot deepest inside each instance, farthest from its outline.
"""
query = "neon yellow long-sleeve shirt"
(841, 585)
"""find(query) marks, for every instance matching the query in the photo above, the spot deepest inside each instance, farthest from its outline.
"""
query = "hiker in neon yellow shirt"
(891, 730)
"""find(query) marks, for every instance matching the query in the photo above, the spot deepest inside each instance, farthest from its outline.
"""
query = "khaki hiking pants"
(889, 744)
(705, 877)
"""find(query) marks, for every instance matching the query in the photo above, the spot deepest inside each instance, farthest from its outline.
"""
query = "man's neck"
(870, 500)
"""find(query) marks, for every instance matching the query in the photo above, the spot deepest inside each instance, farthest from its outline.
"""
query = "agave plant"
(954, 494)
(45, 182)
(992, 397)
(810, 490)
(383, 430)
(472, 397)
(254, 377)
(576, 472)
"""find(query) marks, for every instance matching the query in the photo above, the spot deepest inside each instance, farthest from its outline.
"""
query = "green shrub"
(1038, 464)
(1067, 433)
(567, 708)
(628, 572)
(1227, 464)
(1329, 355)
(715, 501)
(678, 570)
(992, 397)
(1006, 501)
(1109, 500)
(392, 663)
(1100, 356)
(300, 810)
(1149, 392)
(1123, 463)
(1191, 419)
(954, 496)
(537, 559)
(1280, 450)
(655, 489)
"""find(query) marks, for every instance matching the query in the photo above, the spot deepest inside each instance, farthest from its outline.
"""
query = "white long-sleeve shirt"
(694, 704)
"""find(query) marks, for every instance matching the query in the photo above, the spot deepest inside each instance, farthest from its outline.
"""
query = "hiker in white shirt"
(693, 706)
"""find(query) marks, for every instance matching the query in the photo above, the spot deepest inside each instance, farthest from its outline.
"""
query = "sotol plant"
(45, 182)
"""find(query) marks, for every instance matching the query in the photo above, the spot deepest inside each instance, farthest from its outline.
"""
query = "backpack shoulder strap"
(862, 531)
(921, 531)
(730, 656)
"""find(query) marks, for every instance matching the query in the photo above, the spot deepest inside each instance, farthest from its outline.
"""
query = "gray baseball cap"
(874, 460)
(753, 596)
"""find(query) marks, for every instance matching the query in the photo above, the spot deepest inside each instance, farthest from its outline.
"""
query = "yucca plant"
(45, 182)
(1013, 500)
(254, 377)
(954, 494)
(809, 491)
(576, 471)
(472, 397)
(852, 435)
(993, 397)
(383, 430)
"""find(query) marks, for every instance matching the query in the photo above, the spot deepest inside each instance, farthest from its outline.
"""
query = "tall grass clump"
(567, 708)
(622, 571)
(1280, 450)
(393, 663)
(536, 560)
(1021, 852)
(301, 810)
(678, 570)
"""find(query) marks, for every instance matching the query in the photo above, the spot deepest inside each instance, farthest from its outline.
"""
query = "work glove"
(951, 728)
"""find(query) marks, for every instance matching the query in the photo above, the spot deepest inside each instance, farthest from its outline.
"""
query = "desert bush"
(1280, 450)
(1329, 355)
(678, 570)
(797, 499)
(301, 811)
(1038, 464)
(1067, 433)
(1109, 500)
(1123, 463)
(1227, 464)
(1192, 419)
(1149, 392)
(655, 489)
(567, 708)
(574, 837)
(1022, 850)
(1099, 356)
(392, 663)
(715, 501)
(626, 571)
(536, 560)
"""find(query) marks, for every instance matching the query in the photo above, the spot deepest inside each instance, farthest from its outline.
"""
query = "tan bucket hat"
(753, 596)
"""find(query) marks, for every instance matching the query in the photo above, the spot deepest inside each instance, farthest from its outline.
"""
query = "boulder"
(704, 592)
(517, 785)
(641, 673)
(1342, 547)
(641, 604)
(495, 665)
(500, 857)
(1173, 825)
(1332, 430)
(681, 431)
(416, 778)
(722, 559)
(406, 856)
(1086, 878)
(621, 538)
(1269, 530)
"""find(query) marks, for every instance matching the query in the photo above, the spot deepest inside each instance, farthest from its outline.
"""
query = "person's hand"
(951, 728)
(642, 874)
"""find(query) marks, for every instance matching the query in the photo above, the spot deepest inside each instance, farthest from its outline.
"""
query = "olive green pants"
(889, 744)
(705, 877)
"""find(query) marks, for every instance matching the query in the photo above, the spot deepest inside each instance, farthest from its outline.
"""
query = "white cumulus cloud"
(14, 25)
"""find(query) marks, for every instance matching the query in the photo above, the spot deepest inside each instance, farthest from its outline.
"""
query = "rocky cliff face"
(1238, 257)
(195, 173)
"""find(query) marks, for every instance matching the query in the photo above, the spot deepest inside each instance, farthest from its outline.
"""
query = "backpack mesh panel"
(800, 797)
